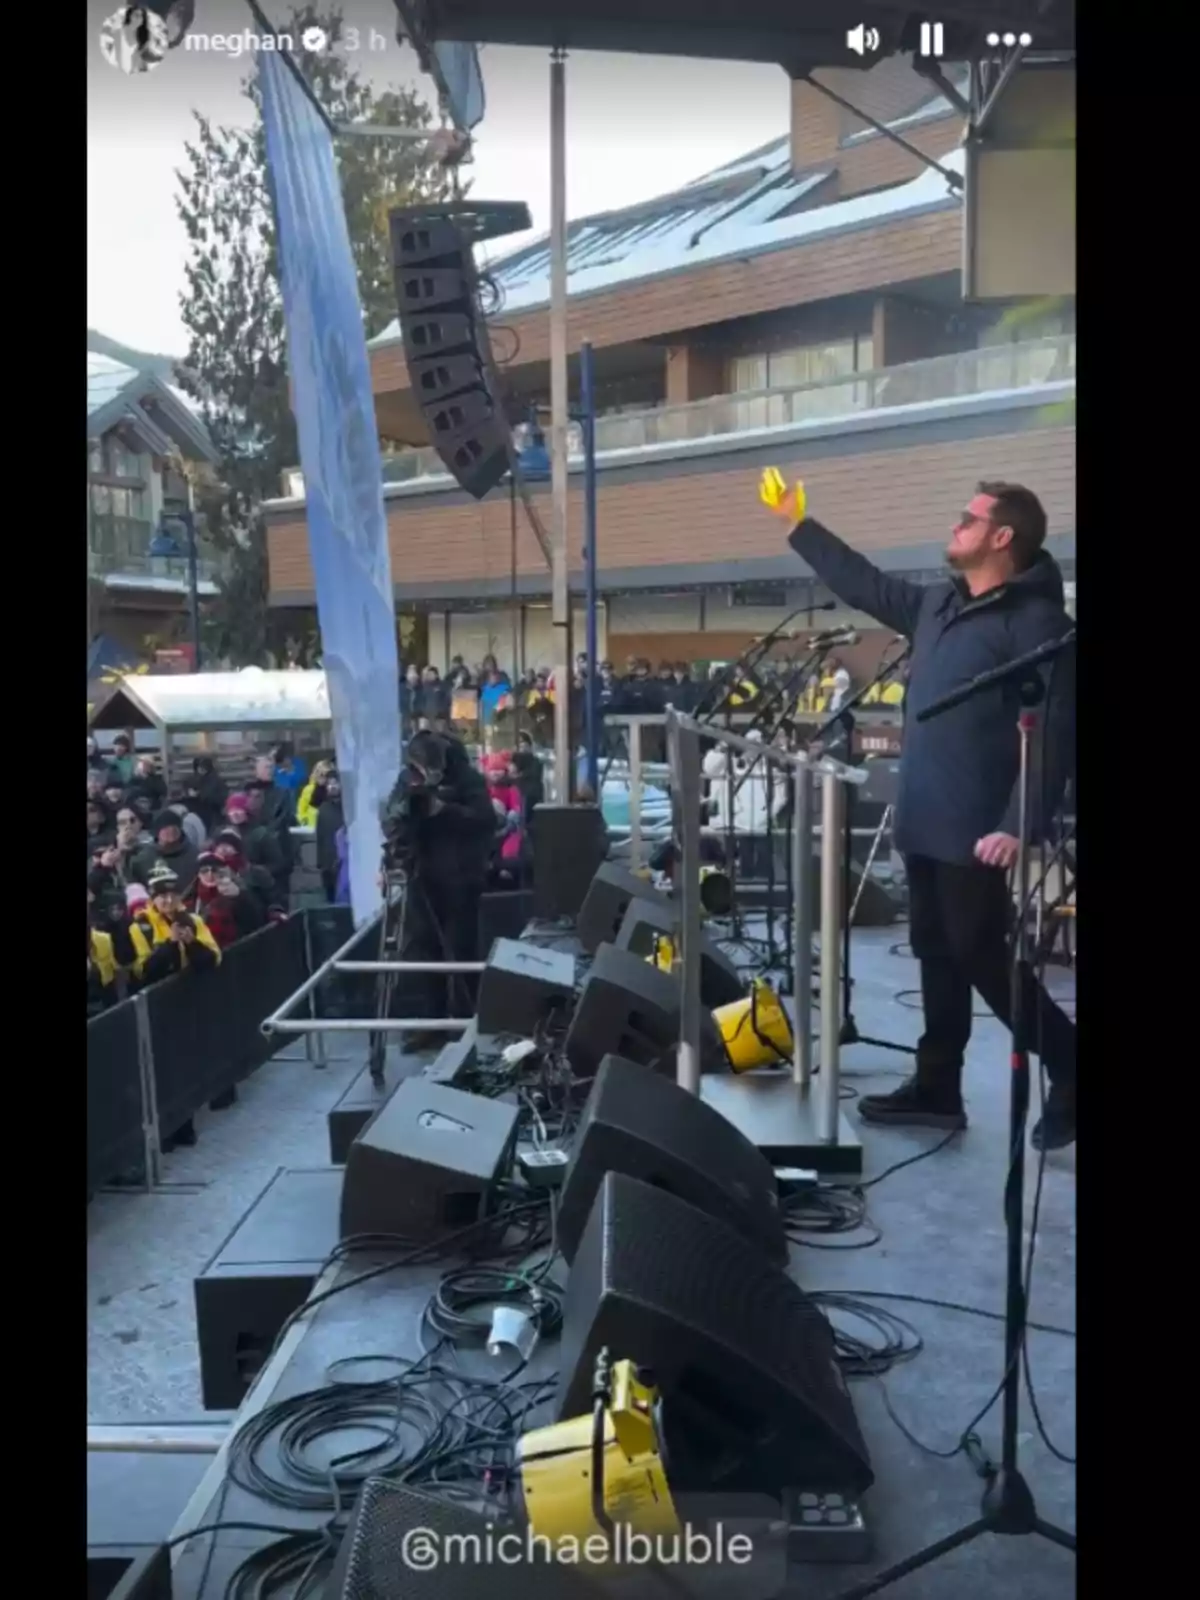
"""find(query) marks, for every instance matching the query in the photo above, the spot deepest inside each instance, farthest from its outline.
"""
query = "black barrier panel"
(114, 1095)
(262, 972)
(342, 994)
(205, 1027)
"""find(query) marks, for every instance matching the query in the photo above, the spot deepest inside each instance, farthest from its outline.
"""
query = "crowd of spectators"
(527, 699)
(175, 877)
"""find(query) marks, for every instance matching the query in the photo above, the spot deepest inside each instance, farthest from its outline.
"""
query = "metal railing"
(993, 369)
(120, 547)
(685, 738)
(282, 1020)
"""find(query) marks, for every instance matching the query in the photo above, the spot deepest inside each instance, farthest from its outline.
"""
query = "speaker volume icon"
(862, 39)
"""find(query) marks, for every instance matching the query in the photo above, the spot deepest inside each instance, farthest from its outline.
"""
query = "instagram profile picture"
(134, 39)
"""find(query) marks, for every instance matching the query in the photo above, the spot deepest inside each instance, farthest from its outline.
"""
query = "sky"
(637, 126)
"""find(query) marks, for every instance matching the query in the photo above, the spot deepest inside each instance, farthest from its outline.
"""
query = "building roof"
(198, 701)
(753, 204)
(159, 413)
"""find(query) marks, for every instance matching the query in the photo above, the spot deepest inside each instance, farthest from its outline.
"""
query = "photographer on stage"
(439, 826)
(957, 803)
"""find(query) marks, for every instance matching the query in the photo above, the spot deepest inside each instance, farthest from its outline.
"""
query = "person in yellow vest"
(116, 950)
(309, 802)
(180, 942)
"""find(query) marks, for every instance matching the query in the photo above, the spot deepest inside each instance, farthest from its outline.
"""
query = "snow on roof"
(247, 699)
(741, 210)
(106, 379)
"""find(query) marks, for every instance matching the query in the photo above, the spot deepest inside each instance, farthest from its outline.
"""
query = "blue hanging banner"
(339, 456)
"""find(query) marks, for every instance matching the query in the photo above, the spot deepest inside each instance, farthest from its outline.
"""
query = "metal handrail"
(959, 375)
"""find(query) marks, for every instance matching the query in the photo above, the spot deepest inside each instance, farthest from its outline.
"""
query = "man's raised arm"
(857, 582)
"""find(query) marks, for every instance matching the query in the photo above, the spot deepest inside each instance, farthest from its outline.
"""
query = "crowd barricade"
(154, 1060)
(115, 1110)
(204, 1026)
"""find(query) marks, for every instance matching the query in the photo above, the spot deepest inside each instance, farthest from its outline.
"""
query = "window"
(803, 364)
(123, 463)
(96, 456)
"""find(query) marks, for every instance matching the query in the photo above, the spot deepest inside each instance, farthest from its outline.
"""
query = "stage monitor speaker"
(629, 1008)
(610, 893)
(753, 1399)
(645, 1126)
(570, 843)
(375, 1560)
(522, 986)
(129, 1573)
(645, 922)
(428, 1164)
(877, 906)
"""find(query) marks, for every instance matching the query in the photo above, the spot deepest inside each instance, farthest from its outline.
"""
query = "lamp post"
(167, 545)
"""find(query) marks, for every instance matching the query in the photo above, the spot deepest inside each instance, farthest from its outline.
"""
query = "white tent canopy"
(211, 701)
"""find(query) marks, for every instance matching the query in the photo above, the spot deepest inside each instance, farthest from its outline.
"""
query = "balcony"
(996, 369)
(119, 548)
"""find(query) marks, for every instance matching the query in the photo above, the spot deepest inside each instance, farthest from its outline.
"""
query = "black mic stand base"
(1008, 1506)
(1007, 1509)
(849, 1034)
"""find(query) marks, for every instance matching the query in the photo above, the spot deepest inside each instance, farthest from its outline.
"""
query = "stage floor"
(943, 1238)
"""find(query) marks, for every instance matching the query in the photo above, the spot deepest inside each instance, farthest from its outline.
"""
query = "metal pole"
(684, 750)
(635, 796)
(412, 966)
(559, 417)
(832, 844)
(514, 668)
(147, 1440)
(314, 1043)
(587, 383)
(193, 585)
(151, 1136)
(802, 926)
(376, 1025)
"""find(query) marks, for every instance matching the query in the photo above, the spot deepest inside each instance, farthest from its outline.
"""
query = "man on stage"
(957, 802)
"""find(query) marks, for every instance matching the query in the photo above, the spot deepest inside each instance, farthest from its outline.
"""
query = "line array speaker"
(647, 1127)
(445, 348)
(752, 1395)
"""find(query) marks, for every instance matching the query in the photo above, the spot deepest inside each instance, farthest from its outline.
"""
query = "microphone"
(833, 636)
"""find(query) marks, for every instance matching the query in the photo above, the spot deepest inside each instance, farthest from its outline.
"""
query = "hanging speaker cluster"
(445, 347)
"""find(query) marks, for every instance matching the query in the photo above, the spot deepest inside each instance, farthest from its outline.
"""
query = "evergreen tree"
(236, 364)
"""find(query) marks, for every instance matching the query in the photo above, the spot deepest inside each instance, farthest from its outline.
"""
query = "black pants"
(441, 923)
(960, 919)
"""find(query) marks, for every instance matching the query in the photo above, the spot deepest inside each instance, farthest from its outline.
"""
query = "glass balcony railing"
(120, 547)
(994, 369)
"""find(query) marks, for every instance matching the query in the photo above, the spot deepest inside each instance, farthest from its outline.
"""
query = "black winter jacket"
(959, 771)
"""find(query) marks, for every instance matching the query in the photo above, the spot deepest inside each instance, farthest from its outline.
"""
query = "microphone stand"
(1008, 1506)
(844, 717)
